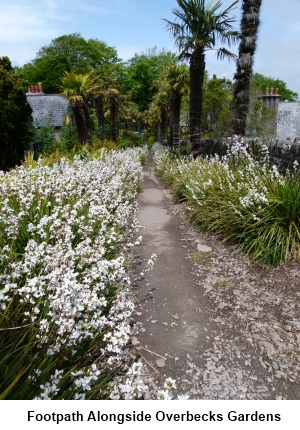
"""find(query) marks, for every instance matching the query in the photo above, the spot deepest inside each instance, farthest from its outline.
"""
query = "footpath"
(221, 325)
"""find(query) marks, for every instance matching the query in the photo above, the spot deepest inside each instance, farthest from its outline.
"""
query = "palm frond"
(224, 53)
(199, 25)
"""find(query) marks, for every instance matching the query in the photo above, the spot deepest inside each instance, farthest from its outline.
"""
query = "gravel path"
(221, 325)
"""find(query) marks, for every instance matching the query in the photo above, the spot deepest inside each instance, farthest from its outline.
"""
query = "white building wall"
(288, 122)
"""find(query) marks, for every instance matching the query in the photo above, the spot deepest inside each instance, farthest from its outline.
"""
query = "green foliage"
(99, 144)
(151, 140)
(45, 139)
(197, 28)
(262, 120)
(77, 88)
(245, 202)
(184, 150)
(217, 107)
(196, 257)
(129, 139)
(15, 116)
(200, 27)
(69, 137)
(275, 236)
(47, 70)
(140, 73)
(45, 142)
(66, 53)
(261, 82)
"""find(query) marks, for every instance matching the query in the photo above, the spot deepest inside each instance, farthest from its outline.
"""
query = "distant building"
(49, 109)
(287, 120)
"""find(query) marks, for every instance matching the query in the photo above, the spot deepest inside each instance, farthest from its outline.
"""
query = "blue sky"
(132, 26)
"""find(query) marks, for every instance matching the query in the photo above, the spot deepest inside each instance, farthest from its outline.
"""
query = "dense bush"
(44, 139)
(245, 201)
(129, 139)
(15, 117)
(69, 138)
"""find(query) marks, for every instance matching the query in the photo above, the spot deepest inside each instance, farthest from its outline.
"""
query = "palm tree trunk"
(80, 119)
(176, 120)
(249, 30)
(88, 122)
(197, 68)
(114, 120)
(157, 131)
(171, 118)
(100, 116)
(164, 127)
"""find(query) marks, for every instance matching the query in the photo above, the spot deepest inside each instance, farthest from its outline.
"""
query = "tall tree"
(115, 98)
(78, 88)
(102, 79)
(109, 93)
(249, 32)
(161, 104)
(177, 77)
(217, 107)
(15, 116)
(66, 53)
(196, 29)
(140, 73)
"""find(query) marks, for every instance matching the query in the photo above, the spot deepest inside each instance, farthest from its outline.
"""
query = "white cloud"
(21, 22)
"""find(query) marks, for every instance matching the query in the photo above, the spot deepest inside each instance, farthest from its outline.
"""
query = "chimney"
(271, 100)
(36, 89)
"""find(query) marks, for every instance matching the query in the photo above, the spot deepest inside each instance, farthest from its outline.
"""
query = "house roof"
(48, 109)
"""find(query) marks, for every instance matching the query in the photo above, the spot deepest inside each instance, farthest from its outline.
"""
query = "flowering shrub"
(64, 296)
(246, 201)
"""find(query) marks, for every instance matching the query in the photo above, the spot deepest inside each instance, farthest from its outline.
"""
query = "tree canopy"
(15, 116)
(217, 107)
(140, 73)
(261, 82)
(66, 53)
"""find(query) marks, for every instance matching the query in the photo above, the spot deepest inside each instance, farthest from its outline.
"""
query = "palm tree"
(99, 99)
(249, 29)
(130, 113)
(109, 93)
(151, 117)
(177, 77)
(160, 104)
(77, 88)
(198, 28)
(114, 95)
(99, 107)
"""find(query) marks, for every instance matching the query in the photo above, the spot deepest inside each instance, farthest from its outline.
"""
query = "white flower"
(164, 395)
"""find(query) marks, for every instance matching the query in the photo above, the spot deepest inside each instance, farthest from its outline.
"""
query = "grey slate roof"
(48, 109)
